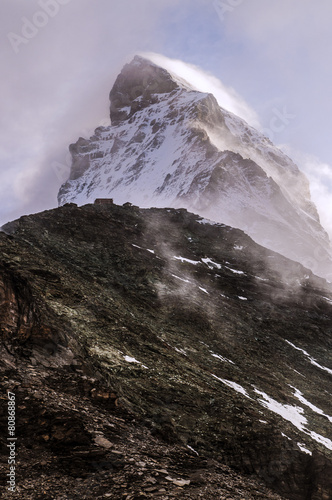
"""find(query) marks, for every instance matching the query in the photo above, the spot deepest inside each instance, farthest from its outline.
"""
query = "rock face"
(136, 88)
(170, 145)
(155, 354)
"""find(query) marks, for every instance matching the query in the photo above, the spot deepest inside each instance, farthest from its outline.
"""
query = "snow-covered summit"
(170, 145)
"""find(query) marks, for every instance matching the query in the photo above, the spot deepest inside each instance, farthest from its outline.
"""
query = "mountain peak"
(136, 86)
(171, 145)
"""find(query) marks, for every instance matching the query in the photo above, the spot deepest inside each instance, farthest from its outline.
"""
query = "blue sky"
(276, 55)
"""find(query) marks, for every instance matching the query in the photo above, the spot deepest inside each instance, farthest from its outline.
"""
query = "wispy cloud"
(319, 175)
(61, 58)
(203, 81)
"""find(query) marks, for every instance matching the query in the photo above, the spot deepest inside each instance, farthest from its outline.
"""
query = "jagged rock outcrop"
(170, 145)
(157, 337)
(135, 88)
(19, 315)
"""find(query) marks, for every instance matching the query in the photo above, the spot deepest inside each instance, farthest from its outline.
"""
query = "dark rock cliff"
(154, 354)
(140, 79)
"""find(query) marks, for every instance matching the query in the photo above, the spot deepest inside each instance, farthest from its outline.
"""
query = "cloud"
(56, 84)
(282, 49)
(320, 178)
(319, 175)
(203, 81)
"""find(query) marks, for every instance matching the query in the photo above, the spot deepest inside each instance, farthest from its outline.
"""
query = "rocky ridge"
(155, 354)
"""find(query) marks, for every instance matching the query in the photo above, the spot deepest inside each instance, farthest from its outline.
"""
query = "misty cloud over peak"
(203, 81)
(171, 146)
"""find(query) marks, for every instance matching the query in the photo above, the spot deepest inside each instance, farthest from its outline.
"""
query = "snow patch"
(235, 271)
(181, 279)
(294, 414)
(304, 449)
(311, 359)
(192, 449)
(321, 439)
(314, 408)
(181, 351)
(211, 264)
(130, 359)
(233, 385)
(225, 360)
(189, 261)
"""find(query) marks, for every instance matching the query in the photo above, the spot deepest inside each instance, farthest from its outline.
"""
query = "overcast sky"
(59, 59)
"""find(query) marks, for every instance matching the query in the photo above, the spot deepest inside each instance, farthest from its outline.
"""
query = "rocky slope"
(170, 145)
(154, 354)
